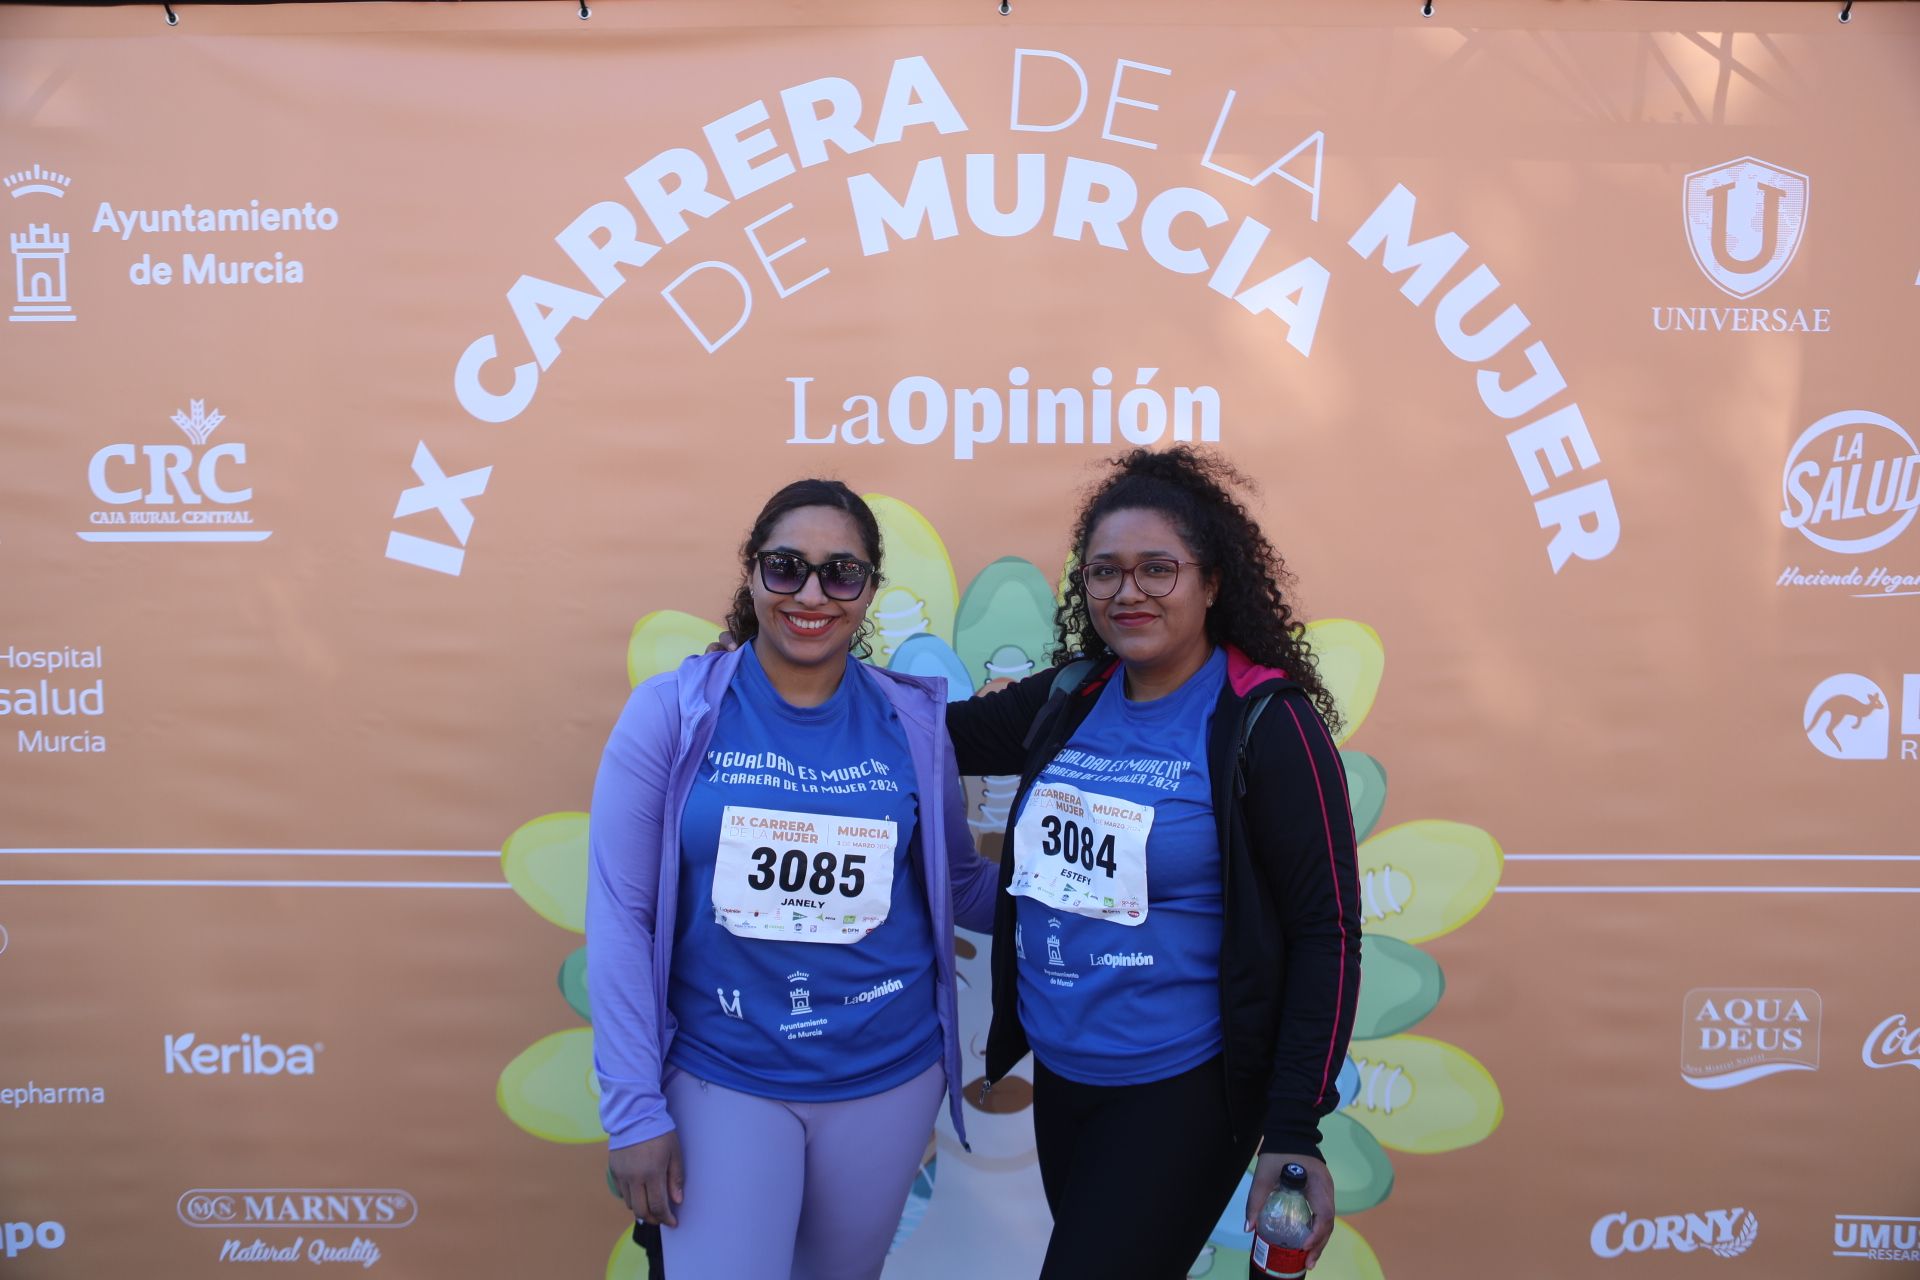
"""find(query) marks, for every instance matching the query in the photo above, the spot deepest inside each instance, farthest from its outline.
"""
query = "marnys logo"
(1849, 717)
(270, 1207)
(1725, 1232)
(177, 493)
(1892, 1044)
(248, 1056)
(1734, 1035)
(1745, 220)
(1876, 1236)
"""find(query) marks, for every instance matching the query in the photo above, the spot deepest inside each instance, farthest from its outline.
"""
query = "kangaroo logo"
(1846, 718)
(1744, 222)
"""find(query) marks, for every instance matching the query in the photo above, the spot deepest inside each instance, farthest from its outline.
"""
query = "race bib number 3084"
(802, 877)
(1078, 851)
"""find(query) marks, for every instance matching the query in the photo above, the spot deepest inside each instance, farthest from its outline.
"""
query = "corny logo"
(1734, 1035)
(1744, 221)
(1727, 1233)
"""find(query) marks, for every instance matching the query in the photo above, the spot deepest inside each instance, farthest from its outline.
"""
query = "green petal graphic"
(921, 594)
(1352, 660)
(546, 863)
(1399, 985)
(550, 1089)
(1009, 606)
(1362, 1173)
(1423, 1095)
(665, 638)
(1425, 878)
(573, 983)
(1366, 790)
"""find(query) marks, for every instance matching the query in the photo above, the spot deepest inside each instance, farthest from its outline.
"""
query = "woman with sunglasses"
(1179, 940)
(778, 856)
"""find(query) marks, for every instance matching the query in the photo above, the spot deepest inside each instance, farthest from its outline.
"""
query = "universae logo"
(1745, 220)
(1850, 717)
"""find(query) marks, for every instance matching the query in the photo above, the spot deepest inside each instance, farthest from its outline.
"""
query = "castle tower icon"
(40, 275)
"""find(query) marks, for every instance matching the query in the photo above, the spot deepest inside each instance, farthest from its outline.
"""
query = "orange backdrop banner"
(388, 388)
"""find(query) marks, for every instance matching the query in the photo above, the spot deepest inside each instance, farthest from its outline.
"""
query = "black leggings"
(1136, 1175)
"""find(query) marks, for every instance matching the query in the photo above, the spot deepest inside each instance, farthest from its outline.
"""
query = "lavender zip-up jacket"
(633, 875)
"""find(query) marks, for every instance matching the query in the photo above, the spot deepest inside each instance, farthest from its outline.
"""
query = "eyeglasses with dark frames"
(1156, 577)
(786, 574)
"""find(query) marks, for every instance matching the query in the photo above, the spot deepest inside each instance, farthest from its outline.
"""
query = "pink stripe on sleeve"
(1333, 871)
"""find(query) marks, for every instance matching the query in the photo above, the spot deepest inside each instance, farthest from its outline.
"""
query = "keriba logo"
(1745, 220)
(247, 1056)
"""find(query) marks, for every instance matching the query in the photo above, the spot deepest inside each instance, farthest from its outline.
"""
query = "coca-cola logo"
(1892, 1044)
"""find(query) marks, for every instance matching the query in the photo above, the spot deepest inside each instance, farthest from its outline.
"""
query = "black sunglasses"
(785, 574)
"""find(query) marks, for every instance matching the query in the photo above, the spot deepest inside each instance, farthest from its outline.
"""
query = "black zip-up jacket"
(1289, 885)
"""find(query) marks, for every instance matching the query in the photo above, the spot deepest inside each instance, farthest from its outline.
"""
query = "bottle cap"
(1293, 1175)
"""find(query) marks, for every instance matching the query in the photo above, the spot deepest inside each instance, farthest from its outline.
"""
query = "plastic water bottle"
(1286, 1222)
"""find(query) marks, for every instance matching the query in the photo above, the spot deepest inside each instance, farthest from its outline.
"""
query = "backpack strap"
(1254, 708)
(1066, 681)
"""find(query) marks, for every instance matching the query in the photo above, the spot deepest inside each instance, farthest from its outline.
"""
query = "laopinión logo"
(1851, 487)
(297, 1207)
(1892, 1044)
(1744, 221)
(173, 492)
(1850, 717)
(1727, 1233)
(248, 1056)
(1735, 1035)
(1876, 1236)
(39, 252)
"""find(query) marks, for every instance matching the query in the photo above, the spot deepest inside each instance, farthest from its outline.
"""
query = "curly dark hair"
(1194, 489)
(741, 619)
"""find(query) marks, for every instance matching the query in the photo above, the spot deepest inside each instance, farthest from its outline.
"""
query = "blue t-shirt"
(803, 1021)
(1110, 1004)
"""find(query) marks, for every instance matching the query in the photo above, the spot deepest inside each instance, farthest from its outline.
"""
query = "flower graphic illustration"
(1419, 880)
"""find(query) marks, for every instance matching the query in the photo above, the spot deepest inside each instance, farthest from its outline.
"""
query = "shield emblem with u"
(1745, 219)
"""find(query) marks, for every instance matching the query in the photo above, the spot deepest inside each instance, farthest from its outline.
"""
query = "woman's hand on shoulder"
(650, 1177)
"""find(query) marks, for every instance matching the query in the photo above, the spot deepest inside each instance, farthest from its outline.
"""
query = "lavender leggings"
(811, 1190)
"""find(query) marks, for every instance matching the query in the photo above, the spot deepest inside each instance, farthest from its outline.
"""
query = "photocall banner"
(388, 389)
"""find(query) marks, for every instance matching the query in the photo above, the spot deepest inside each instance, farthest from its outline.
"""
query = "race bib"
(802, 877)
(1078, 851)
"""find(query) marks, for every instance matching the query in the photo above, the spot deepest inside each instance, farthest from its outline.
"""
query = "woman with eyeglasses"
(1179, 940)
(778, 856)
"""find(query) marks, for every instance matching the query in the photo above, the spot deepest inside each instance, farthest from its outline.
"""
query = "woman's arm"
(990, 729)
(971, 877)
(623, 878)
(1301, 828)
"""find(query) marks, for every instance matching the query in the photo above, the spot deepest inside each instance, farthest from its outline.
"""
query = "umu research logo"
(1732, 1036)
(172, 492)
(1850, 717)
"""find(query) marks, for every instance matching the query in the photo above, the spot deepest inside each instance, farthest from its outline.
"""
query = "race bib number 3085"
(1078, 851)
(802, 877)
